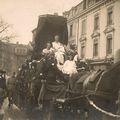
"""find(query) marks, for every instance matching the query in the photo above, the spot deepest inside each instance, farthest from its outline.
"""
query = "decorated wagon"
(54, 95)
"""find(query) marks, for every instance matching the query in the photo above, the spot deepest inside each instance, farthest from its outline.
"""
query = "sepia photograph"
(59, 60)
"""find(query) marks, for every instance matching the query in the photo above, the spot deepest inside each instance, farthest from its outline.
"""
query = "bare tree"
(5, 33)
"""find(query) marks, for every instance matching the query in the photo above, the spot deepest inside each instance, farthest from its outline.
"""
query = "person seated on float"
(48, 49)
(69, 66)
(69, 52)
(58, 50)
(70, 70)
(73, 49)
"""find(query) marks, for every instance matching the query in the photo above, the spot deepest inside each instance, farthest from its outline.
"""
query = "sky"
(23, 14)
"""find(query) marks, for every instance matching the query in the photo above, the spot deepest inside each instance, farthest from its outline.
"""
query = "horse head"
(46, 66)
(50, 61)
(110, 81)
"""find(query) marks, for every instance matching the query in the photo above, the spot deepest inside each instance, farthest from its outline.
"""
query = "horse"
(97, 92)
(51, 85)
(106, 93)
(55, 88)
(53, 92)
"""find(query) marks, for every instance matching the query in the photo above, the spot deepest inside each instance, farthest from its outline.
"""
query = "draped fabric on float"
(49, 26)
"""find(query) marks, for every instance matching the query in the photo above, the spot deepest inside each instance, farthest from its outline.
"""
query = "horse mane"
(113, 69)
(109, 81)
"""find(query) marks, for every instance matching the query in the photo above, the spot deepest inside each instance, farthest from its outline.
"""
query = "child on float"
(70, 70)
(48, 49)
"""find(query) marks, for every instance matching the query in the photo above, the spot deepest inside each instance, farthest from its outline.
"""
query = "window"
(84, 4)
(95, 48)
(97, 0)
(90, 2)
(82, 51)
(110, 17)
(17, 51)
(83, 26)
(71, 30)
(109, 45)
(96, 22)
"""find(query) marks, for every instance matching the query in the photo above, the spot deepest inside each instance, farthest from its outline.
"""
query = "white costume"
(69, 67)
(59, 51)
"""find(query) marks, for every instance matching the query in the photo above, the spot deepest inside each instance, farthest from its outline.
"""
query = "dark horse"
(106, 92)
(55, 87)
(48, 85)
(97, 92)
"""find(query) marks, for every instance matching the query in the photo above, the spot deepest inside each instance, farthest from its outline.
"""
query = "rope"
(101, 110)
(97, 85)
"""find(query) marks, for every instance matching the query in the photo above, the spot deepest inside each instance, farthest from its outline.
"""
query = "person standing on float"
(58, 50)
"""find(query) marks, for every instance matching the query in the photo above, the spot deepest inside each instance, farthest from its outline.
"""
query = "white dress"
(59, 52)
(69, 67)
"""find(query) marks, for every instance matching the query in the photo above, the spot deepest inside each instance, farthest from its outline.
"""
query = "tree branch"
(5, 33)
(4, 28)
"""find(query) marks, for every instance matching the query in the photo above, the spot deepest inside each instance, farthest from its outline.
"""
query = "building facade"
(94, 26)
(12, 56)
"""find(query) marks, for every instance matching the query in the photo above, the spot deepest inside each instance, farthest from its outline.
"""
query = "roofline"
(74, 7)
(45, 15)
(34, 30)
(84, 12)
